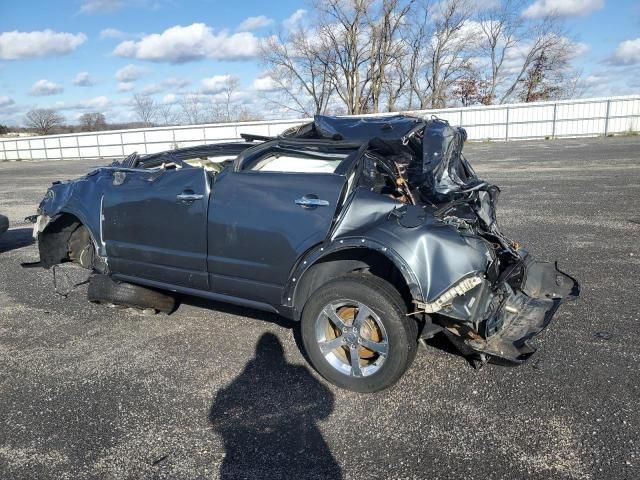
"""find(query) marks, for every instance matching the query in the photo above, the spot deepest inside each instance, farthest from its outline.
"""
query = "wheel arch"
(55, 235)
(325, 263)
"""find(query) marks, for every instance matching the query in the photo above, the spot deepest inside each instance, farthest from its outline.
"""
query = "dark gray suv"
(372, 232)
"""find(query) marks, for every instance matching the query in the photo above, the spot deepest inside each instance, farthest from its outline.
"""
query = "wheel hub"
(351, 337)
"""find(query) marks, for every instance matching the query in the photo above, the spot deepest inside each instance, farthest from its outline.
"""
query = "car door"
(154, 225)
(260, 222)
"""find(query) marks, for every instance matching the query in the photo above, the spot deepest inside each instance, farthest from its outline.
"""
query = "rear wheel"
(356, 333)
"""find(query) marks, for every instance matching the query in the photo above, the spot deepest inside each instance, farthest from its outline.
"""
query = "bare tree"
(501, 32)
(544, 36)
(546, 77)
(344, 31)
(216, 112)
(439, 45)
(298, 66)
(358, 54)
(167, 114)
(230, 87)
(92, 121)
(450, 49)
(192, 108)
(245, 115)
(386, 49)
(145, 108)
(43, 120)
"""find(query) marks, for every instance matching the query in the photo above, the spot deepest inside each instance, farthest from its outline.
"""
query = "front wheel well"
(347, 261)
(66, 239)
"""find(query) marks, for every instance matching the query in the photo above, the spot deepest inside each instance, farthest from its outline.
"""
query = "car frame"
(373, 233)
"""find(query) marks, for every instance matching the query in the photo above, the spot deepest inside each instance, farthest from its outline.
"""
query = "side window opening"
(213, 164)
(291, 163)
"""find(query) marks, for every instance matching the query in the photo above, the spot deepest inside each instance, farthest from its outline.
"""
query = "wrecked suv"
(374, 233)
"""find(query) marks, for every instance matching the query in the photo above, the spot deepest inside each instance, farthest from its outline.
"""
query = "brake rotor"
(370, 331)
(347, 314)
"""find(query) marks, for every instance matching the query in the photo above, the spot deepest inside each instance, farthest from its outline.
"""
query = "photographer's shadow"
(267, 418)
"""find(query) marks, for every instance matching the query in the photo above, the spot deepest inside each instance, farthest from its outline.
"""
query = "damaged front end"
(419, 197)
(63, 226)
(500, 319)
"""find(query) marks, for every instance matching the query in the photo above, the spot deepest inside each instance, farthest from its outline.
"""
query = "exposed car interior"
(285, 162)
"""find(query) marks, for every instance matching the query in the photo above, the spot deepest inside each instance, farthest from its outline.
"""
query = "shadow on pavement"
(15, 238)
(267, 418)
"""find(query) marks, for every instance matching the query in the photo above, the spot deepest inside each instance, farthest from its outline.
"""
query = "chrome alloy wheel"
(352, 338)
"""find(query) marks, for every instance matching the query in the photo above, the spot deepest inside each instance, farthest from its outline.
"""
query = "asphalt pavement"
(216, 391)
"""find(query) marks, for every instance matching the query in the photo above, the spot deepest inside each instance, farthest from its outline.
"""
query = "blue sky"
(67, 54)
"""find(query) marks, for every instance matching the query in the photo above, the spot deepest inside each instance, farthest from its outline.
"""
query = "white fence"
(572, 118)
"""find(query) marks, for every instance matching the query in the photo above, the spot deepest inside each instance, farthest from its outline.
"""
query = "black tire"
(385, 301)
(102, 289)
(81, 249)
(4, 224)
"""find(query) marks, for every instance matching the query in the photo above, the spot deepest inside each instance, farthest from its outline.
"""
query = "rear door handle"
(189, 197)
(311, 201)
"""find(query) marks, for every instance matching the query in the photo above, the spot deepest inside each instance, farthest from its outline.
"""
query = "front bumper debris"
(526, 310)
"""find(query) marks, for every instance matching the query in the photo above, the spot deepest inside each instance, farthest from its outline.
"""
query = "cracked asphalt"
(215, 391)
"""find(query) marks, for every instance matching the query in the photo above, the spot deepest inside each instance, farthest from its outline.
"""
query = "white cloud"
(215, 84)
(152, 89)
(130, 73)
(18, 45)
(627, 53)
(169, 98)
(125, 86)
(170, 83)
(83, 79)
(96, 6)
(5, 101)
(253, 23)
(112, 33)
(294, 19)
(97, 103)
(264, 84)
(177, 83)
(197, 41)
(563, 8)
(46, 87)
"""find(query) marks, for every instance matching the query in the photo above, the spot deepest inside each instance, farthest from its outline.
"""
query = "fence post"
(460, 124)
(506, 127)
(553, 125)
(606, 119)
